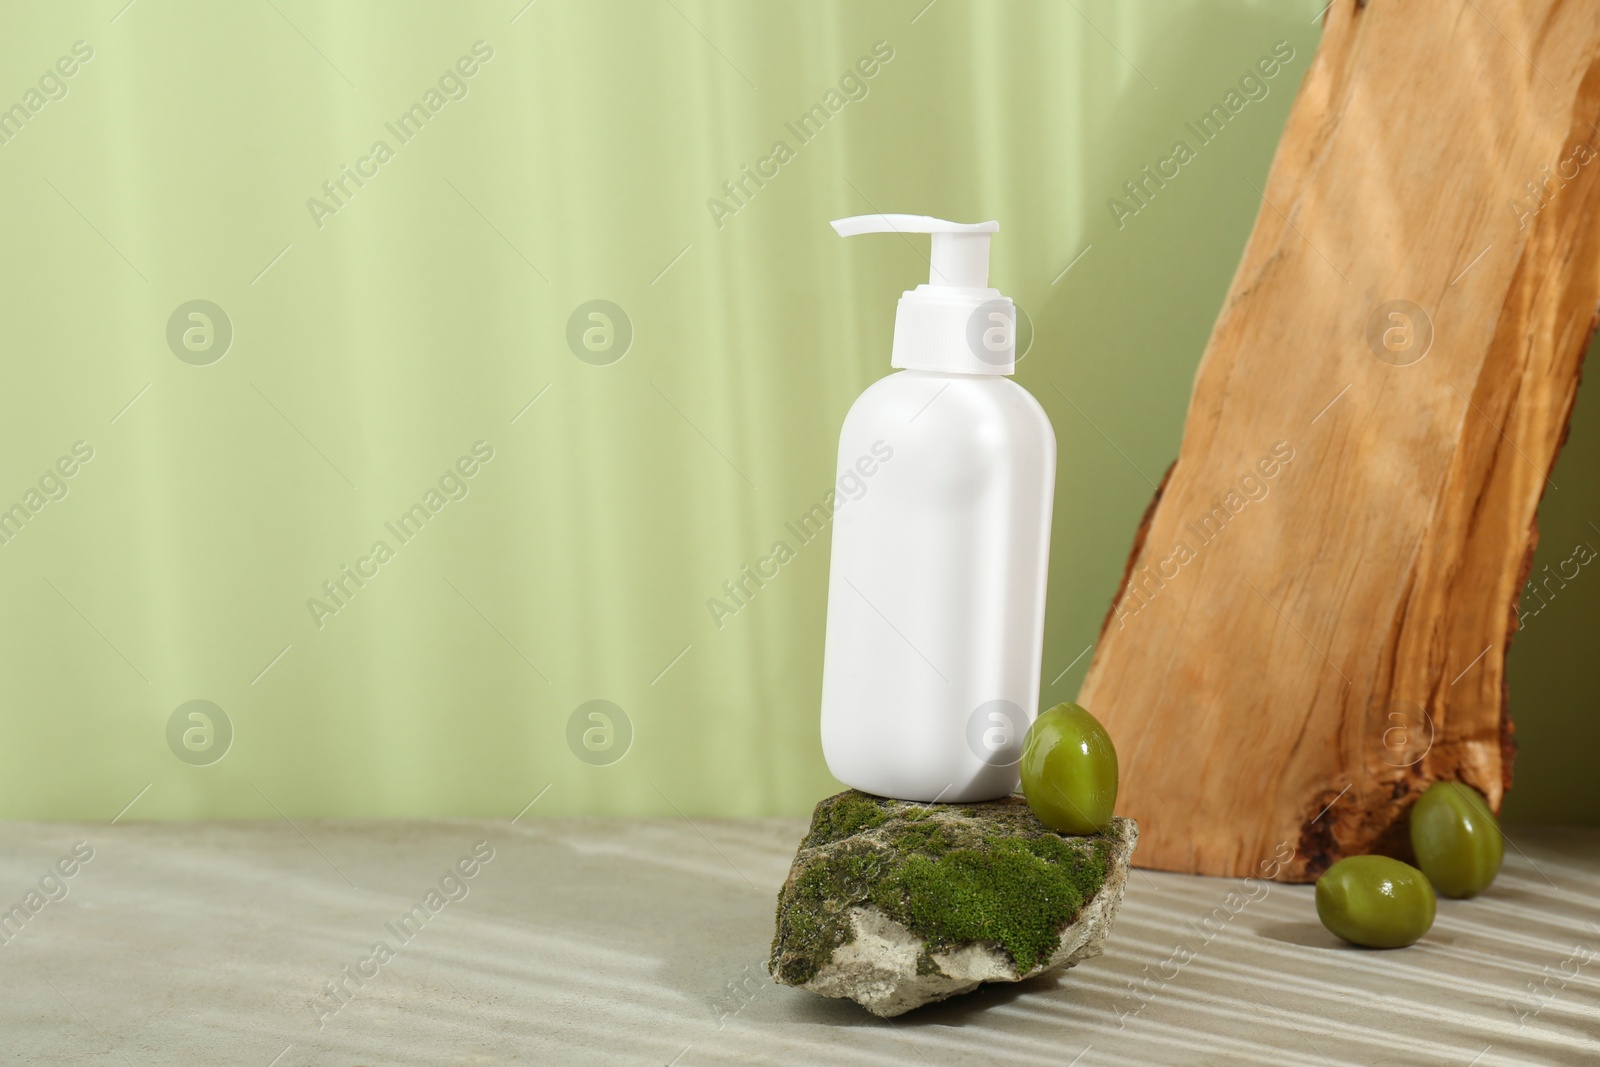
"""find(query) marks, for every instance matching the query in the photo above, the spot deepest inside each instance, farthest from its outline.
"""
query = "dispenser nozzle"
(960, 252)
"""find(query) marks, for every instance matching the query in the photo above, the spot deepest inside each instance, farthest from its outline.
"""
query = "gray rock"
(895, 905)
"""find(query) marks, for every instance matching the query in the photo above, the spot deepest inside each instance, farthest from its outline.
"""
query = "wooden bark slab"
(1319, 602)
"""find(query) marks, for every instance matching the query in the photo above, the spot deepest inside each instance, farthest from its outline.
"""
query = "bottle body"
(936, 586)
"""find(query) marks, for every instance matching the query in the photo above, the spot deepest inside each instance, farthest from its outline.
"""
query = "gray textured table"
(643, 943)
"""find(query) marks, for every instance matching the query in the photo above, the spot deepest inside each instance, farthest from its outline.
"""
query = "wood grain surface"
(1319, 602)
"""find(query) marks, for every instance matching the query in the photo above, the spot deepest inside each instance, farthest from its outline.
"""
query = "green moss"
(950, 873)
(1005, 893)
(841, 816)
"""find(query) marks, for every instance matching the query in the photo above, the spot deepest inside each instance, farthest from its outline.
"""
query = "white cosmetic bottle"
(936, 588)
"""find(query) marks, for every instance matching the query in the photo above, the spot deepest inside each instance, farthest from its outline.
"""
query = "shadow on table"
(1305, 934)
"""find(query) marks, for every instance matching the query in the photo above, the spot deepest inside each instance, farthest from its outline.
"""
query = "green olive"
(1456, 839)
(1069, 771)
(1375, 901)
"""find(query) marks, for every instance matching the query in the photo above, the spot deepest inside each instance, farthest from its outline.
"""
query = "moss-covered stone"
(952, 875)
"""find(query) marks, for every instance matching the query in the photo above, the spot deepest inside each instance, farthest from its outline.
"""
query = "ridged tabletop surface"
(644, 942)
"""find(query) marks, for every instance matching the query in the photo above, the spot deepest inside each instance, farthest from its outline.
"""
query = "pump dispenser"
(932, 323)
(941, 540)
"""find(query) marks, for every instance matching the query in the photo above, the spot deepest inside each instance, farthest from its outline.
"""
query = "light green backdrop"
(378, 337)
